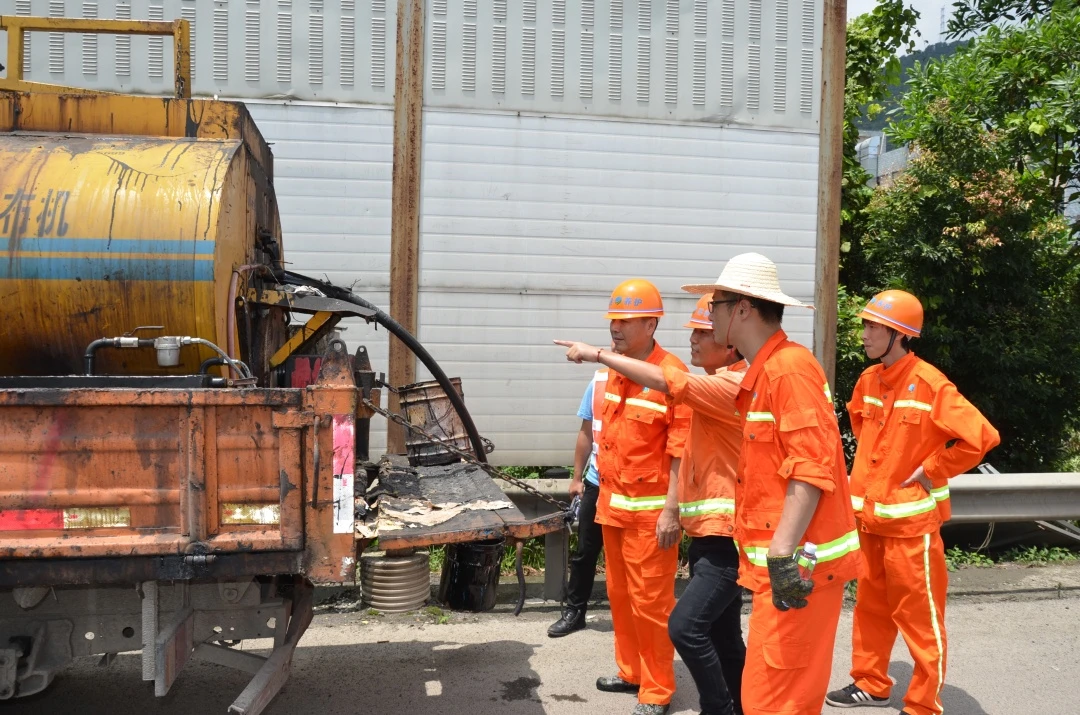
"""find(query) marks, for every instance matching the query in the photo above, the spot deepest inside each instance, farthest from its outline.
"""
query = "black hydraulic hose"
(410, 342)
(209, 363)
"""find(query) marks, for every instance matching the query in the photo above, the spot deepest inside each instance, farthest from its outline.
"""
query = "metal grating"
(500, 10)
(558, 12)
(753, 24)
(727, 74)
(644, 21)
(89, 42)
(284, 41)
(438, 54)
(498, 59)
(558, 62)
(616, 14)
(123, 43)
(700, 49)
(56, 40)
(780, 79)
(528, 11)
(468, 57)
(644, 67)
(809, 24)
(251, 41)
(470, 9)
(315, 46)
(753, 78)
(588, 12)
(806, 81)
(348, 50)
(528, 61)
(781, 25)
(701, 16)
(156, 47)
(189, 13)
(615, 66)
(671, 70)
(378, 52)
(588, 40)
(727, 18)
(672, 20)
(221, 44)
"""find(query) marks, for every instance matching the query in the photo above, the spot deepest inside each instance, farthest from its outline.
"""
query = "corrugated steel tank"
(105, 229)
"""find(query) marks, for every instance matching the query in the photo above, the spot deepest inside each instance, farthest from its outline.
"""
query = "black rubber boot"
(572, 620)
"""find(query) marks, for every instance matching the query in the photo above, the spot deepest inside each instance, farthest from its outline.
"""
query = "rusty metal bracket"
(317, 326)
(17, 27)
(306, 301)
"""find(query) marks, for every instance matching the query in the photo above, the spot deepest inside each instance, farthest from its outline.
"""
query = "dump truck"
(184, 439)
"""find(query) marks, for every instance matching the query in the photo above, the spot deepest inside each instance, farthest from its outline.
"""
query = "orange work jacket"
(790, 432)
(904, 416)
(707, 472)
(642, 431)
(599, 389)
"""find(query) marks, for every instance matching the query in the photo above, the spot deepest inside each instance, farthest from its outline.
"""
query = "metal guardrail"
(991, 497)
(976, 498)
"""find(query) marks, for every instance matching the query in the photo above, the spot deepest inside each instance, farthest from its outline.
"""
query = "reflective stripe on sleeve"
(872, 401)
(760, 417)
(612, 396)
(941, 493)
(857, 503)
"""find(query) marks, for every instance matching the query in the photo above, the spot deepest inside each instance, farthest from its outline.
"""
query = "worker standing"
(586, 486)
(705, 625)
(640, 448)
(915, 431)
(790, 487)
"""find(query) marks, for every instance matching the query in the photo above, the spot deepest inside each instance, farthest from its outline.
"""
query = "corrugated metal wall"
(528, 217)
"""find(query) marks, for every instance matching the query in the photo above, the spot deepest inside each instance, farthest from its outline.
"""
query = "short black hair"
(770, 312)
(905, 342)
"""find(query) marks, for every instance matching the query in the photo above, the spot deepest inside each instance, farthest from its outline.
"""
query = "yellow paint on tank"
(100, 235)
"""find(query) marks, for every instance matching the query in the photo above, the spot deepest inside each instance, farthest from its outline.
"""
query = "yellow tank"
(109, 224)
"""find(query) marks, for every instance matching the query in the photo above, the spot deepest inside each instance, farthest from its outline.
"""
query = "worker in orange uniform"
(641, 443)
(791, 487)
(915, 432)
(705, 626)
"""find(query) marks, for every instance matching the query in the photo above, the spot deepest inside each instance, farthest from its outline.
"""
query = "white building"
(568, 145)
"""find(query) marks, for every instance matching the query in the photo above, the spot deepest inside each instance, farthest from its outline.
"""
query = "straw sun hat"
(750, 274)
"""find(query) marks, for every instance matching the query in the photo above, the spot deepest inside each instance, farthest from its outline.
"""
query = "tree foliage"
(975, 229)
(975, 16)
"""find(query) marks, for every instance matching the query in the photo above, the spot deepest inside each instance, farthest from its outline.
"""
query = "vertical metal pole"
(149, 629)
(830, 178)
(405, 198)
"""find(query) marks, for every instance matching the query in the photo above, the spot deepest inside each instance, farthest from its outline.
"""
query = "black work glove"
(789, 589)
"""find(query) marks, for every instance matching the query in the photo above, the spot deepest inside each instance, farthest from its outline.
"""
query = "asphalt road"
(1006, 658)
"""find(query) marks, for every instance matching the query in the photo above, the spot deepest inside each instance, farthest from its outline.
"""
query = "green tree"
(975, 229)
(974, 16)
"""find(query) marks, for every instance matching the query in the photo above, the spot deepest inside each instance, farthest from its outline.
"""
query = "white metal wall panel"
(720, 61)
(327, 50)
(332, 174)
(529, 222)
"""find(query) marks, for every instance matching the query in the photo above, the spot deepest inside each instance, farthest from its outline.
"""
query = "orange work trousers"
(641, 592)
(904, 590)
(789, 653)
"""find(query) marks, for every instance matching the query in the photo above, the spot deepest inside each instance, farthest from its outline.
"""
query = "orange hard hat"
(895, 309)
(700, 319)
(635, 298)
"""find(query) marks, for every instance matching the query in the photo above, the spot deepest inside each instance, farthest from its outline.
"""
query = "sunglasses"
(714, 303)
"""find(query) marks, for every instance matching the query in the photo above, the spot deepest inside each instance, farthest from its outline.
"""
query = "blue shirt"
(585, 413)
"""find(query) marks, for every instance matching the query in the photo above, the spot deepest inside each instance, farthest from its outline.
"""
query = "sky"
(929, 21)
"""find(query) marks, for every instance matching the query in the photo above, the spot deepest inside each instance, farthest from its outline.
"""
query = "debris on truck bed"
(408, 507)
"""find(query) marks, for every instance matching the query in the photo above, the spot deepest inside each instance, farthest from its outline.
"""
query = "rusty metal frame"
(17, 27)
(405, 199)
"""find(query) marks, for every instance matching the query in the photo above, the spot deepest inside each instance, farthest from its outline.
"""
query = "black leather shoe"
(572, 620)
(615, 684)
(649, 709)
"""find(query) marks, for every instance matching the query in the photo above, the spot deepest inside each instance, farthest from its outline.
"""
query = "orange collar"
(897, 372)
(759, 360)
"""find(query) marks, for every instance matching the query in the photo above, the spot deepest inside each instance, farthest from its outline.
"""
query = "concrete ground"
(1014, 649)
